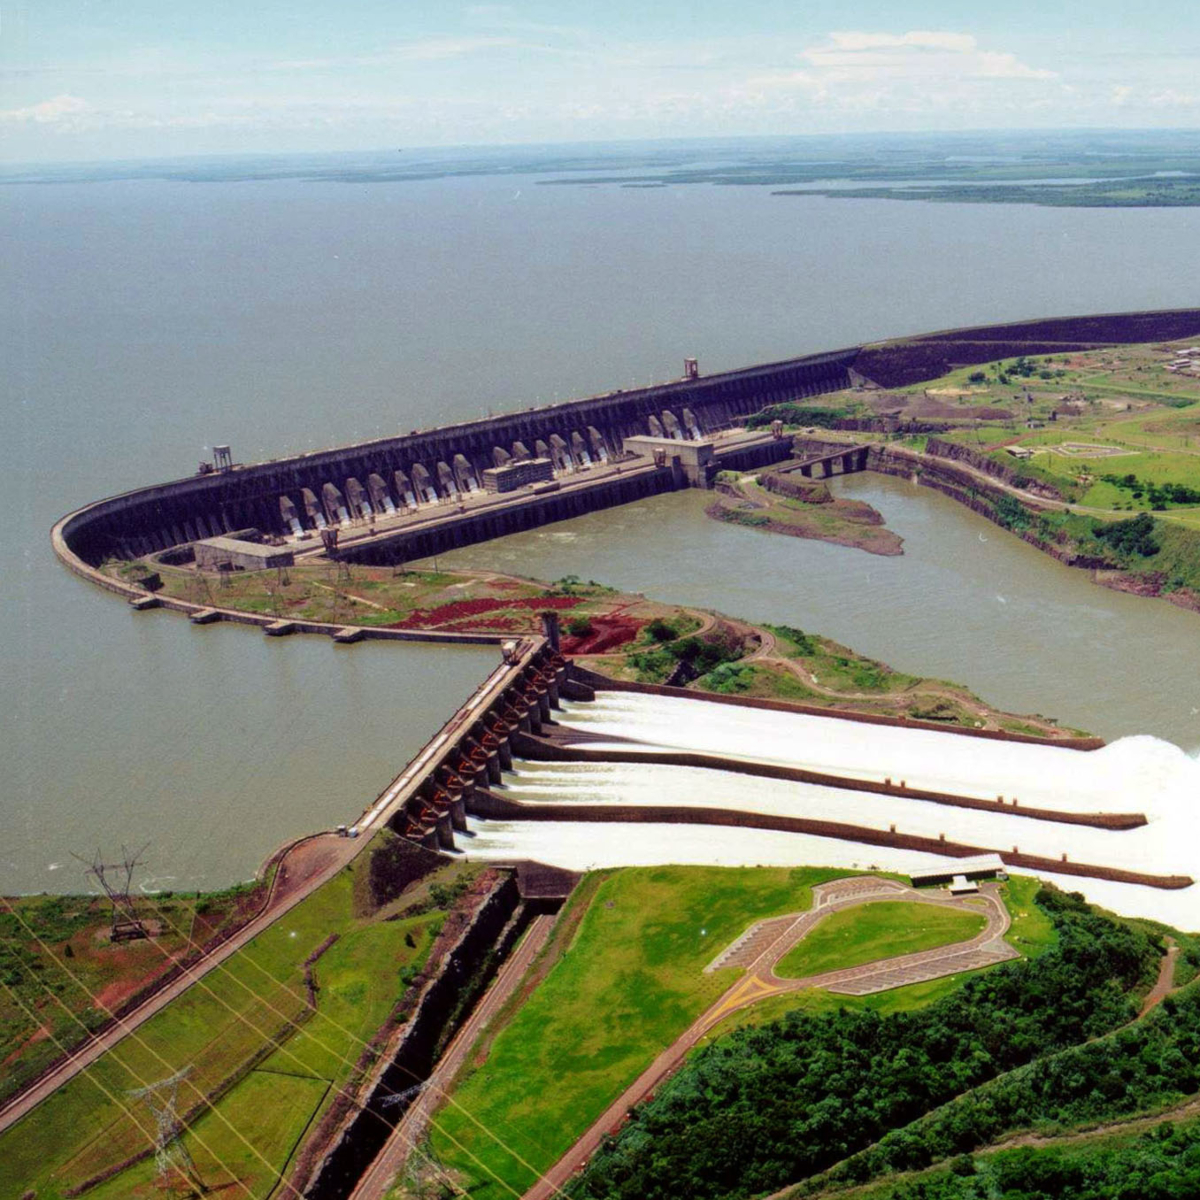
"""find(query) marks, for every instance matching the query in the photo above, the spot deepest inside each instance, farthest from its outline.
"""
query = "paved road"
(764, 944)
(411, 1128)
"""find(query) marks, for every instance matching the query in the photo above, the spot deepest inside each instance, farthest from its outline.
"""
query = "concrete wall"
(186, 510)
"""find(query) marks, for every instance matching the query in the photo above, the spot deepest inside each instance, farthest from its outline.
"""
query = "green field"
(630, 983)
(1032, 932)
(224, 1029)
(873, 931)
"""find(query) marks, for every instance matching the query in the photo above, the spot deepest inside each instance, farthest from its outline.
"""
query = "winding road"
(759, 950)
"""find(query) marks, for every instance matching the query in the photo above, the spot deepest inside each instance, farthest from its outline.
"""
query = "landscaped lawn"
(869, 932)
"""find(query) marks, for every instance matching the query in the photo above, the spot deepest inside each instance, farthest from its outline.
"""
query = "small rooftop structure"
(1019, 451)
(232, 554)
(982, 866)
(519, 474)
(960, 885)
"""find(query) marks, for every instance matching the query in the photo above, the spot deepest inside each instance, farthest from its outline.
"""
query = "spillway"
(1139, 774)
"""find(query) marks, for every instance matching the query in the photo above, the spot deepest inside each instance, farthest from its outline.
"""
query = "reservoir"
(149, 320)
(966, 602)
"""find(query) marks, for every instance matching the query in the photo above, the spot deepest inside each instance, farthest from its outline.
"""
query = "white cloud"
(959, 42)
(919, 54)
(58, 110)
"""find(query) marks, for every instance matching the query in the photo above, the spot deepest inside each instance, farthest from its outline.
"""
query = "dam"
(394, 500)
(398, 498)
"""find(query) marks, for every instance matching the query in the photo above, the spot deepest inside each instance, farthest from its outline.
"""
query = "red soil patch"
(501, 624)
(460, 610)
(40, 1034)
(607, 633)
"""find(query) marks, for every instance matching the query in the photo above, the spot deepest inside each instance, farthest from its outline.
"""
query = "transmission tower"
(171, 1155)
(117, 881)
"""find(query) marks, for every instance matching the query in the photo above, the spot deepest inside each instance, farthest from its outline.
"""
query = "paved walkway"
(760, 948)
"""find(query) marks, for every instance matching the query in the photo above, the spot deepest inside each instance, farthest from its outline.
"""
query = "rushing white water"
(1138, 774)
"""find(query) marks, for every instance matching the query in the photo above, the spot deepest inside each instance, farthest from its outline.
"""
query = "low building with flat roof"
(232, 554)
(982, 866)
(518, 474)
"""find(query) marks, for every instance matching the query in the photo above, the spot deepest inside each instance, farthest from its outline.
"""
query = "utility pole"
(170, 1152)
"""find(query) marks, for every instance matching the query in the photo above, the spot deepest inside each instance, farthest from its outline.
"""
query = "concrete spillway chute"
(312, 506)
(379, 494)
(671, 425)
(291, 518)
(540, 449)
(464, 473)
(692, 425)
(579, 449)
(500, 458)
(446, 480)
(404, 489)
(599, 449)
(335, 505)
(656, 429)
(423, 484)
(356, 495)
(521, 452)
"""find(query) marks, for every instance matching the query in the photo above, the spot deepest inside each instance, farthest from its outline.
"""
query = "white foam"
(1134, 774)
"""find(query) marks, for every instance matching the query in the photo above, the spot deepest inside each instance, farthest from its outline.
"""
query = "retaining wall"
(489, 804)
(552, 751)
(603, 683)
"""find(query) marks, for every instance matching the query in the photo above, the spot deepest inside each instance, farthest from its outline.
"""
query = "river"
(148, 320)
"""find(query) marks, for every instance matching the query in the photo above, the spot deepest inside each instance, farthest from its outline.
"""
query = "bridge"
(836, 462)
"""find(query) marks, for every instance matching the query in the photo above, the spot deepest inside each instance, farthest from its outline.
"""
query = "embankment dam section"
(402, 481)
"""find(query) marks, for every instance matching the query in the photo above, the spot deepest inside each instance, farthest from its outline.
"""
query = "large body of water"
(147, 320)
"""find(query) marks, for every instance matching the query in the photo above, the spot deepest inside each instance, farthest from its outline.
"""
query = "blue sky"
(94, 79)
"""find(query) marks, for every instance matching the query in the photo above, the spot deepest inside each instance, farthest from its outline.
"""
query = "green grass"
(630, 983)
(218, 1028)
(873, 931)
(278, 1108)
(1032, 931)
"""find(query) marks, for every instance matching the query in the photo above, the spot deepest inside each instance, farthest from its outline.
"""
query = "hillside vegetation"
(783, 1102)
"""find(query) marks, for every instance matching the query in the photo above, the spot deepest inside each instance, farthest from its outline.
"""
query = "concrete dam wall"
(346, 487)
(335, 488)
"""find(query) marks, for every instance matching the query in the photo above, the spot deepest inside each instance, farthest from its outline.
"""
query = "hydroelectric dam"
(403, 498)
(515, 471)
(547, 760)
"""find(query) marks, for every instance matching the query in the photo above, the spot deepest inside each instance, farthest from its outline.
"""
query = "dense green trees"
(768, 1106)
(1163, 1164)
(1135, 536)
